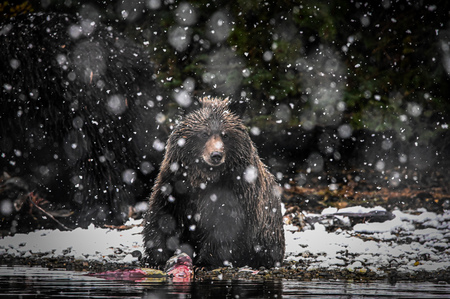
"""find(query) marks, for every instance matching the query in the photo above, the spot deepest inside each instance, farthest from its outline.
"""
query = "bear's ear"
(210, 101)
(238, 107)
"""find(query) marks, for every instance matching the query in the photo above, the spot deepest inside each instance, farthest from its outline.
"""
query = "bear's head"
(212, 138)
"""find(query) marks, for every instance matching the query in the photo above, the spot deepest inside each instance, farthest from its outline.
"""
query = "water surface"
(32, 282)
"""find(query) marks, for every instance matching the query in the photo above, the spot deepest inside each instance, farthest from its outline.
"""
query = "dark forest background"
(367, 65)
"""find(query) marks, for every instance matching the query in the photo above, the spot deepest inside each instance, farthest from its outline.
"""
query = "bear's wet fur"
(214, 198)
(73, 114)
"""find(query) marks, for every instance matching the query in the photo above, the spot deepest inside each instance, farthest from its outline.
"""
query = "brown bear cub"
(214, 199)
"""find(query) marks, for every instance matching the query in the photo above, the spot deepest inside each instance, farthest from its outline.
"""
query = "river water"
(36, 282)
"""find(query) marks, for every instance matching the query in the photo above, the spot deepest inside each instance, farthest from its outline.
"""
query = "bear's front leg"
(161, 237)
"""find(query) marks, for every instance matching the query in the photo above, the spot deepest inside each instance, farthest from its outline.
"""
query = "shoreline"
(289, 271)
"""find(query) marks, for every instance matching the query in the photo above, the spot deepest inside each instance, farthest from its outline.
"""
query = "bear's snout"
(214, 151)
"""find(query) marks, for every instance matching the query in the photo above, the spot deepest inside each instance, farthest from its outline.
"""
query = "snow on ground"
(408, 242)
(93, 243)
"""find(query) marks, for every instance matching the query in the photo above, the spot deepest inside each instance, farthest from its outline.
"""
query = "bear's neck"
(200, 179)
(198, 176)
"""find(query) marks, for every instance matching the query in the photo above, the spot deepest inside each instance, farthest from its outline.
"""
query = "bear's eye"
(204, 135)
(224, 135)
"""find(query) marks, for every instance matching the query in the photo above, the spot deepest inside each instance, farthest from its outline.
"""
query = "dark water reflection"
(32, 282)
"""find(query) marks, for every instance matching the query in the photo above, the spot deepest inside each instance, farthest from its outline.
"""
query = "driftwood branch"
(30, 198)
